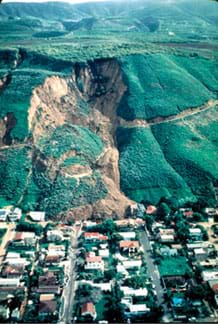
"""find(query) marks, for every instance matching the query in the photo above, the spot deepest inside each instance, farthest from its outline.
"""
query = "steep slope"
(70, 151)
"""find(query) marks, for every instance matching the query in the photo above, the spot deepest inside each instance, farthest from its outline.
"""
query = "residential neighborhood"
(33, 263)
(159, 266)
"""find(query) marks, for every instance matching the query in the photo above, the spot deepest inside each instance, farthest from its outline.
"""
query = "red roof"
(92, 234)
(88, 308)
(151, 209)
(215, 288)
(188, 213)
(94, 259)
(129, 244)
(18, 236)
(96, 235)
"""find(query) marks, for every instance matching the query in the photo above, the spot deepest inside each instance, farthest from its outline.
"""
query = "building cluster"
(33, 258)
(188, 264)
(124, 256)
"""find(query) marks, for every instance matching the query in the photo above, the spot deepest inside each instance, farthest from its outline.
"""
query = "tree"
(115, 310)
(149, 219)
(163, 210)
(136, 282)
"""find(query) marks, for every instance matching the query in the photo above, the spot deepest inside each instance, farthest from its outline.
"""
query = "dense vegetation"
(145, 173)
(161, 85)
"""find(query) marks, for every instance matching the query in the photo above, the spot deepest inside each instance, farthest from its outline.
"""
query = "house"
(168, 252)
(47, 307)
(13, 271)
(175, 283)
(104, 286)
(47, 279)
(54, 289)
(165, 238)
(45, 297)
(52, 259)
(188, 213)
(24, 239)
(166, 231)
(127, 235)
(125, 222)
(151, 210)
(37, 216)
(209, 263)
(4, 312)
(122, 270)
(54, 236)
(104, 253)
(195, 234)
(56, 250)
(209, 275)
(88, 309)
(200, 254)
(192, 246)
(211, 211)
(127, 291)
(129, 246)
(137, 309)
(3, 214)
(15, 215)
(95, 236)
(15, 261)
(15, 315)
(6, 282)
(94, 263)
(130, 264)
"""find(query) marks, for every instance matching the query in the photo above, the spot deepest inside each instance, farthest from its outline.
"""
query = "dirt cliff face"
(100, 87)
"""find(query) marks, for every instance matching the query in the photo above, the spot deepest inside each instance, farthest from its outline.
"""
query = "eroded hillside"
(80, 157)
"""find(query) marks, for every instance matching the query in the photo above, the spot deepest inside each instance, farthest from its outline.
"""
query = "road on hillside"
(70, 279)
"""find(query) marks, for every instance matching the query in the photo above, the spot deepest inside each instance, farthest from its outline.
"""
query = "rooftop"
(129, 244)
(94, 259)
(88, 308)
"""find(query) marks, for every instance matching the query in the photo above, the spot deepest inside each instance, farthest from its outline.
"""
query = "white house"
(7, 282)
(3, 214)
(195, 234)
(138, 308)
(127, 235)
(128, 291)
(129, 264)
(167, 237)
(104, 253)
(120, 268)
(209, 275)
(15, 215)
(25, 238)
(54, 236)
(37, 216)
(94, 263)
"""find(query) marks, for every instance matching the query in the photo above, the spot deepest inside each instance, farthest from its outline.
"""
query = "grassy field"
(174, 266)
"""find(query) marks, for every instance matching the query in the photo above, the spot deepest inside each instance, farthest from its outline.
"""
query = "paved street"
(70, 275)
(152, 268)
